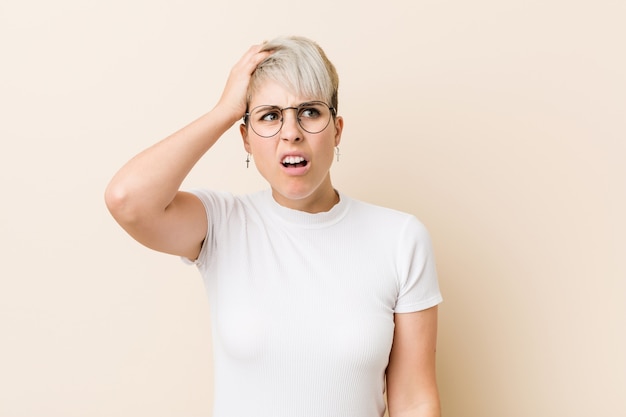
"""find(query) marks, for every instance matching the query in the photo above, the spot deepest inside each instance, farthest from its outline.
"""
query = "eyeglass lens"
(267, 120)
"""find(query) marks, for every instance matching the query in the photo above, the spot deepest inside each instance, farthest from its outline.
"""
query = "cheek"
(263, 153)
(328, 146)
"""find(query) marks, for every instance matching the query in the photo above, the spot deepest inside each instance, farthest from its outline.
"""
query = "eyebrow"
(276, 106)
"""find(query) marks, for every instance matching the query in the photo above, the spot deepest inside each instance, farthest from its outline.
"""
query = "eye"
(310, 111)
(270, 116)
(267, 114)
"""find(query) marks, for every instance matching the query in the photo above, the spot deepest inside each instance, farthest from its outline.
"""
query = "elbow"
(121, 205)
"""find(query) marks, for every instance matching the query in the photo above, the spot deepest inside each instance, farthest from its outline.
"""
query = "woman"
(319, 303)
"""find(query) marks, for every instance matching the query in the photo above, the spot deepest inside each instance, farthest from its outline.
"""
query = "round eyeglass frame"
(333, 113)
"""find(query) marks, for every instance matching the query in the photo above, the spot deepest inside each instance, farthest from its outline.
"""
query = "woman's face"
(294, 162)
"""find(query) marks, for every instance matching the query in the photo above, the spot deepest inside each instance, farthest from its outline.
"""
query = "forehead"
(274, 93)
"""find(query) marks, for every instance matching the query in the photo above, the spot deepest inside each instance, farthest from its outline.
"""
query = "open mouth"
(294, 162)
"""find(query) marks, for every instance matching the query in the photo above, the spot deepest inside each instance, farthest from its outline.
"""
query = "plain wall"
(500, 124)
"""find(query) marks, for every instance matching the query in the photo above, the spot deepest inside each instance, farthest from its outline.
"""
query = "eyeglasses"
(266, 120)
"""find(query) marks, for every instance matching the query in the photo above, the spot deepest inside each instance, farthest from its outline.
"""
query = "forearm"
(150, 181)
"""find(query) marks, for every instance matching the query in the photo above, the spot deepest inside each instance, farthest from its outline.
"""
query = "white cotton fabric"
(302, 305)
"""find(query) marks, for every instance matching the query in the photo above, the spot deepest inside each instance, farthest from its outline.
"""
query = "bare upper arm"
(178, 230)
(411, 375)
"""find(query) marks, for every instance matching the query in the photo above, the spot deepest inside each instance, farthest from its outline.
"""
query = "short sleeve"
(217, 206)
(418, 282)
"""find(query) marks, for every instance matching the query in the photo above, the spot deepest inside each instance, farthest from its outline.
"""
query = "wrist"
(225, 116)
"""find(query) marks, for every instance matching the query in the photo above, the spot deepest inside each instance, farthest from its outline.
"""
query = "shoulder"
(385, 216)
(227, 215)
(226, 201)
(208, 196)
(403, 231)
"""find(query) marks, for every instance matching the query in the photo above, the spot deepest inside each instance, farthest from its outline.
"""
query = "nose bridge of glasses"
(289, 122)
(296, 113)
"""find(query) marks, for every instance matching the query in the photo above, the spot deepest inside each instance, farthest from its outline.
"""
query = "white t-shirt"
(302, 305)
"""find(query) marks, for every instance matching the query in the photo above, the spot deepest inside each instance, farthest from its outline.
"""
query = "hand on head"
(233, 99)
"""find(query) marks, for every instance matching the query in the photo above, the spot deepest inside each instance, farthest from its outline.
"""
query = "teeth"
(293, 160)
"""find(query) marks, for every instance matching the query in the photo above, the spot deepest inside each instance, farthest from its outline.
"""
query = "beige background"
(501, 124)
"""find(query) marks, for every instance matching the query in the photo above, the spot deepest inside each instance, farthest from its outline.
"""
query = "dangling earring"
(248, 161)
(337, 152)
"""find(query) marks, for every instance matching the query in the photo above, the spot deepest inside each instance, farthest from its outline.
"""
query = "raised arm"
(144, 196)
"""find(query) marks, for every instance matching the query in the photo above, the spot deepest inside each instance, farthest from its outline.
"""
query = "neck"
(319, 202)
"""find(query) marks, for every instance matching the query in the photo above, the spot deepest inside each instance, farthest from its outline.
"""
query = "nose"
(291, 128)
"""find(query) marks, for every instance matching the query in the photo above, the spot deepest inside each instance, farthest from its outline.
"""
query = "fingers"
(253, 57)
(234, 95)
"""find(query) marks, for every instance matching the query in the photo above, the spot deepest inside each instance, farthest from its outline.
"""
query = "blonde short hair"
(300, 65)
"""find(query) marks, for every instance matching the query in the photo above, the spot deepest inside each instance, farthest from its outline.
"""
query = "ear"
(338, 129)
(243, 129)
